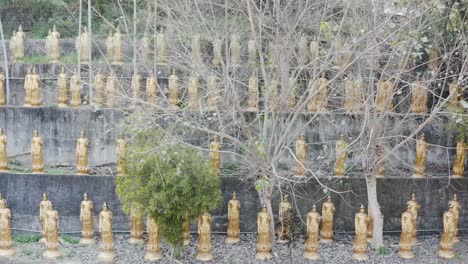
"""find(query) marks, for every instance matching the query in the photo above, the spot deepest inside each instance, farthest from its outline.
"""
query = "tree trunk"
(374, 210)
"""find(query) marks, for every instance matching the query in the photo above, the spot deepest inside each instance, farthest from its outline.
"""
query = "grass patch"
(70, 254)
(32, 253)
(70, 239)
(70, 59)
(22, 239)
(36, 59)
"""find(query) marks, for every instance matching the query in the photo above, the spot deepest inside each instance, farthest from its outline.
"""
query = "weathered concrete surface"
(24, 192)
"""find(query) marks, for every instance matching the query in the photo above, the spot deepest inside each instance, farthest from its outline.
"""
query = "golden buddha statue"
(384, 97)
(35, 88)
(293, 92)
(233, 226)
(110, 46)
(414, 208)
(75, 90)
(318, 89)
(152, 89)
(354, 97)
(434, 60)
(311, 244)
(380, 171)
(340, 163)
(455, 204)
(446, 242)
(328, 215)
(106, 248)
(2, 89)
(137, 225)
(303, 52)
(301, 156)
(459, 163)
(153, 251)
(217, 53)
(204, 237)
(215, 155)
(271, 53)
(273, 95)
(174, 90)
(62, 88)
(370, 226)
(253, 92)
(111, 90)
(314, 48)
(36, 153)
(99, 88)
(53, 46)
(406, 238)
(420, 161)
(6, 249)
(196, 49)
(121, 151)
(82, 45)
(253, 52)
(235, 49)
(360, 242)
(145, 46)
(44, 206)
(27, 88)
(453, 103)
(17, 45)
(161, 48)
(264, 238)
(52, 234)
(194, 93)
(117, 48)
(86, 219)
(3, 152)
(13, 42)
(212, 98)
(82, 144)
(136, 86)
(419, 97)
(187, 230)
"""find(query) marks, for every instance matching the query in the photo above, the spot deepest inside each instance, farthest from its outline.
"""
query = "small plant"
(31, 253)
(70, 239)
(23, 239)
(383, 251)
(231, 166)
(70, 254)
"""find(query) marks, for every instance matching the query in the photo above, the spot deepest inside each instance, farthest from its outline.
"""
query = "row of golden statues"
(319, 228)
(82, 145)
(107, 90)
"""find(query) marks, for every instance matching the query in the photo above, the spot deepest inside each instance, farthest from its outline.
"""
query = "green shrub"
(22, 239)
(70, 239)
(382, 251)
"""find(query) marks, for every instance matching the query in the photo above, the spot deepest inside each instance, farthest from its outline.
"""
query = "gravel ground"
(244, 252)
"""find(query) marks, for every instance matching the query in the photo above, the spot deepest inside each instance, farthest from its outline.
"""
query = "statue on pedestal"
(174, 91)
(27, 88)
(136, 87)
(44, 206)
(2, 89)
(360, 242)
(162, 48)
(82, 45)
(419, 98)
(264, 238)
(454, 104)
(99, 89)
(193, 91)
(328, 214)
(420, 161)
(213, 93)
(235, 49)
(253, 52)
(318, 89)
(446, 243)
(145, 46)
(17, 45)
(414, 207)
(153, 251)
(204, 237)
(459, 163)
(406, 238)
(82, 144)
(152, 89)
(35, 88)
(36, 153)
(217, 53)
(106, 248)
(117, 48)
(384, 95)
(137, 225)
(354, 97)
(253, 92)
(303, 52)
(340, 162)
(86, 219)
(301, 156)
(121, 151)
(110, 47)
(233, 226)
(62, 88)
(6, 249)
(271, 53)
(112, 88)
(53, 45)
(455, 204)
(370, 226)
(75, 90)
(3, 152)
(274, 95)
(311, 244)
(215, 155)
(292, 93)
(196, 49)
(52, 233)
(187, 230)
(314, 50)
